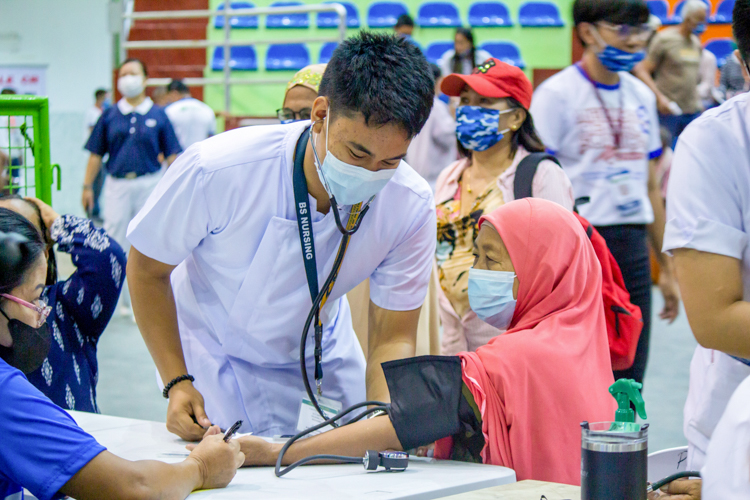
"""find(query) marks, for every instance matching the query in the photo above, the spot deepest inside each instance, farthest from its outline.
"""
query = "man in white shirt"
(708, 216)
(232, 224)
(94, 112)
(89, 121)
(601, 123)
(192, 120)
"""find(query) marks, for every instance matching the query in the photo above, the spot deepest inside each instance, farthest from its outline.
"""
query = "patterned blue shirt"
(81, 309)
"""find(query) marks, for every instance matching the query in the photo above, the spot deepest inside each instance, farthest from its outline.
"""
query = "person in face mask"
(495, 133)
(517, 401)
(43, 450)
(134, 133)
(672, 69)
(225, 325)
(301, 91)
(464, 56)
(602, 124)
(76, 310)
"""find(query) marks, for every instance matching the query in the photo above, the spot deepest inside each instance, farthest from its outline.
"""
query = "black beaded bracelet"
(174, 382)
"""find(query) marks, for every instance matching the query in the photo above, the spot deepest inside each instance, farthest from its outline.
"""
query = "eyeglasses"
(289, 115)
(42, 309)
(626, 31)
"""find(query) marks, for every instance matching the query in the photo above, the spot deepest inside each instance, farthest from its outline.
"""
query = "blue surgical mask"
(349, 184)
(477, 127)
(617, 60)
(491, 296)
(700, 29)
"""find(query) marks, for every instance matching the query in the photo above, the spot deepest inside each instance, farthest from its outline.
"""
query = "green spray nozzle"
(626, 391)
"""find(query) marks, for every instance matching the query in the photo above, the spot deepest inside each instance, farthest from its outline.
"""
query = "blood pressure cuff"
(425, 396)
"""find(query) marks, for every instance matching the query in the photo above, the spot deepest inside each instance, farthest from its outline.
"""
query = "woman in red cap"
(518, 401)
(495, 132)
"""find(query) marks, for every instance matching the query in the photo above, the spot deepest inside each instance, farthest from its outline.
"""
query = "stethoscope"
(355, 220)
(391, 461)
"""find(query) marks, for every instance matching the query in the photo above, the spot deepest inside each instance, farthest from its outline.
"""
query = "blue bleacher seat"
(287, 20)
(435, 51)
(331, 19)
(292, 56)
(660, 8)
(385, 14)
(507, 52)
(489, 14)
(722, 48)
(246, 22)
(241, 58)
(539, 14)
(326, 52)
(438, 15)
(723, 13)
(677, 17)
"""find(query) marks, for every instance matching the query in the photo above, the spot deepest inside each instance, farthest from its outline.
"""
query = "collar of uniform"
(126, 108)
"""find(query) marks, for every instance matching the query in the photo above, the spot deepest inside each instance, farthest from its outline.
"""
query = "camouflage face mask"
(477, 127)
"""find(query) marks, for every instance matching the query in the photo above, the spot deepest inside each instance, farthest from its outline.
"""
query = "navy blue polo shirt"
(133, 137)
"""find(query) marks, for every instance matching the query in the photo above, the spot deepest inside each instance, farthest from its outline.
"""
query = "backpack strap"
(525, 172)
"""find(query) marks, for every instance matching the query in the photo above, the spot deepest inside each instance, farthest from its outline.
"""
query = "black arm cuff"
(425, 395)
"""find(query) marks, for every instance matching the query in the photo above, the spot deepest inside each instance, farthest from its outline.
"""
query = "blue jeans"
(629, 247)
(676, 124)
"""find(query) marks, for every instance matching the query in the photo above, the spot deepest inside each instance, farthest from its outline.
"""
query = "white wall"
(72, 37)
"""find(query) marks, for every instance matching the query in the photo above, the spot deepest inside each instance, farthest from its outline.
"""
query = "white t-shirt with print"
(708, 209)
(574, 127)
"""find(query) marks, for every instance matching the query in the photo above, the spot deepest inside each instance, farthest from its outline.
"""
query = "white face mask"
(349, 184)
(130, 85)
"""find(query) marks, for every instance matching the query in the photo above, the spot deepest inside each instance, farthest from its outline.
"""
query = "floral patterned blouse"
(455, 243)
(81, 308)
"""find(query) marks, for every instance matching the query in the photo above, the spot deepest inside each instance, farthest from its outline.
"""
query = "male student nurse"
(222, 224)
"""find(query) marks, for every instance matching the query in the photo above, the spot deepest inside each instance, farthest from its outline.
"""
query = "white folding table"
(424, 479)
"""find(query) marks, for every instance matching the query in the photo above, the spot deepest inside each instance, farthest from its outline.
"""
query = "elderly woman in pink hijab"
(517, 401)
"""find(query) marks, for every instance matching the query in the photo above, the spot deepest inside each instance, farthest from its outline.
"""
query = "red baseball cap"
(492, 78)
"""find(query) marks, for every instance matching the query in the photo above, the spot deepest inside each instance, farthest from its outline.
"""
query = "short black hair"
(382, 76)
(100, 93)
(179, 86)
(741, 27)
(404, 20)
(134, 59)
(14, 223)
(631, 12)
(7, 91)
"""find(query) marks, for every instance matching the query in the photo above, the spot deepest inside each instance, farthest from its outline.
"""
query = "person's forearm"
(92, 169)
(170, 159)
(156, 314)
(734, 325)
(646, 78)
(350, 440)
(656, 229)
(109, 476)
(166, 481)
(377, 389)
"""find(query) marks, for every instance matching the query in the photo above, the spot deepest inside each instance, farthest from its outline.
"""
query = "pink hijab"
(551, 370)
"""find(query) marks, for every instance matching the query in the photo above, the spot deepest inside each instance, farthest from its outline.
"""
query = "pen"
(230, 432)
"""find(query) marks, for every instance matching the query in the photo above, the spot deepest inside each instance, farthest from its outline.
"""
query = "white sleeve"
(445, 64)
(548, 111)
(400, 282)
(552, 183)
(704, 205)
(176, 216)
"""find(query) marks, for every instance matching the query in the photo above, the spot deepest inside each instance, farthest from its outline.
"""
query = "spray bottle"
(614, 455)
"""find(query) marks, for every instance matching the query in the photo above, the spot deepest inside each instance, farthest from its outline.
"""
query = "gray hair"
(693, 6)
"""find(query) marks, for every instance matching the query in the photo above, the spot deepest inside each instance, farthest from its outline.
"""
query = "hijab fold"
(551, 370)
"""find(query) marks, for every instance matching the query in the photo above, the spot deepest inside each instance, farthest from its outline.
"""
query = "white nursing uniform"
(224, 213)
(708, 209)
